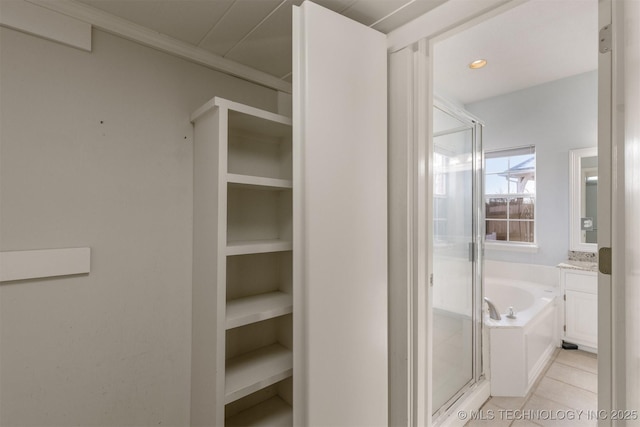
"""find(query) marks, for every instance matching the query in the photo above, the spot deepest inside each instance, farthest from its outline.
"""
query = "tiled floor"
(564, 395)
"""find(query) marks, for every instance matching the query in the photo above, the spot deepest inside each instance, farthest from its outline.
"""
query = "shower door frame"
(476, 251)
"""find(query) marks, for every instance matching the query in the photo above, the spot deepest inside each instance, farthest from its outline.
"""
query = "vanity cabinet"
(580, 290)
(242, 358)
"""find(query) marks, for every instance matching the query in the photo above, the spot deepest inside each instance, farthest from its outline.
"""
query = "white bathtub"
(519, 348)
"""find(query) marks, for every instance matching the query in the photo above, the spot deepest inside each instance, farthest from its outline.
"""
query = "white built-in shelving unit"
(242, 359)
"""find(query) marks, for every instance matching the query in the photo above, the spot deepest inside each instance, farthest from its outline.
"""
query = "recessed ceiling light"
(478, 63)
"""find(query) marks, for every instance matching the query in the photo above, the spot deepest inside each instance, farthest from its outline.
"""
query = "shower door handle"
(472, 251)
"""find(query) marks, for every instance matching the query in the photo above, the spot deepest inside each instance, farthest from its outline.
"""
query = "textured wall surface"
(96, 150)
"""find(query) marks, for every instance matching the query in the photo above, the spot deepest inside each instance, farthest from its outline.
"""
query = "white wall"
(555, 117)
(96, 150)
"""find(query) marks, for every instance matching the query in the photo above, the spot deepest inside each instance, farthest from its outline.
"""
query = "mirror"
(583, 191)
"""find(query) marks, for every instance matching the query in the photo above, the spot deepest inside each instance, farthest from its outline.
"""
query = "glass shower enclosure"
(457, 257)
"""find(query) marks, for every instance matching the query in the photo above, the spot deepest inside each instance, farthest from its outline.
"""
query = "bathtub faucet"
(493, 312)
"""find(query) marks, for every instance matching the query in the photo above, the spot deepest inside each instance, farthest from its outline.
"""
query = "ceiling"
(534, 43)
(255, 33)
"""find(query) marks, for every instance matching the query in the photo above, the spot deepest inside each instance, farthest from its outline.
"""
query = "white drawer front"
(583, 282)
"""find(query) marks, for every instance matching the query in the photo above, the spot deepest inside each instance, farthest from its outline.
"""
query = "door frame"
(418, 37)
(607, 328)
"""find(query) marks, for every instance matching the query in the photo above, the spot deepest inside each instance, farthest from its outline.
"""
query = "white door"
(340, 221)
(619, 314)
(632, 194)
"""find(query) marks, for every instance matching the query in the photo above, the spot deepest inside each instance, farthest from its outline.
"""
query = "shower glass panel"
(456, 332)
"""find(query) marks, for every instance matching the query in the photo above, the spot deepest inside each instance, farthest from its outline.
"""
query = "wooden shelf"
(259, 182)
(257, 121)
(243, 311)
(257, 247)
(273, 412)
(256, 370)
(243, 189)
(250, 118)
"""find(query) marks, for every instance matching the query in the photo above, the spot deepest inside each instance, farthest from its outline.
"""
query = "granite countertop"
(579, 265)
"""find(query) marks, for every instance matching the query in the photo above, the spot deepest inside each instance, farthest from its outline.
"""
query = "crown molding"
(145, 36)
(32, 19)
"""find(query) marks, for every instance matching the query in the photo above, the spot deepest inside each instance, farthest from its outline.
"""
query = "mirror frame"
(575, 202)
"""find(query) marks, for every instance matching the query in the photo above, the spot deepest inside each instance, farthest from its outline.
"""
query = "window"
(510, 195)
